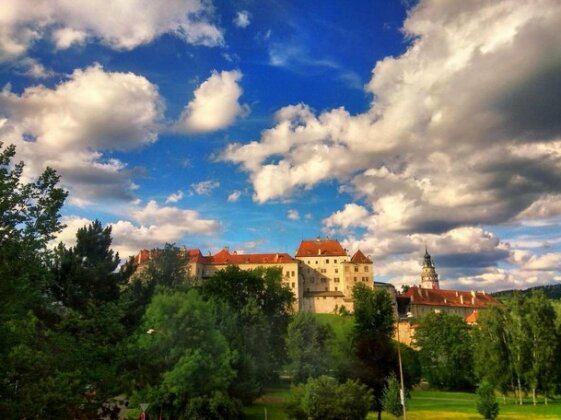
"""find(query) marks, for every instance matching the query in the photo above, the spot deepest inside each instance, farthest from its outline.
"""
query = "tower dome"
(429, 277)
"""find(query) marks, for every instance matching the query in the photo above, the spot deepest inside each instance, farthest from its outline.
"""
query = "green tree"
(86, 273)
(180, 352)
(374, 350)
(323, 398)
(166, 269)
(519, 345)
(391, 399)
(492, 352)
(307, 347)
(29, 219)
(542, 338)
(256, 326)
(446, 351)
(486, 402)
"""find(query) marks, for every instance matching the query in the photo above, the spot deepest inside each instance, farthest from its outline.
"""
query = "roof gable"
(321, 248)
(360, 258)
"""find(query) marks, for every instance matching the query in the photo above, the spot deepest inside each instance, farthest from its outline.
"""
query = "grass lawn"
(424, 405)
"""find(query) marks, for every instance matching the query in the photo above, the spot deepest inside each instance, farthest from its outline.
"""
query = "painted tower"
(429, 278)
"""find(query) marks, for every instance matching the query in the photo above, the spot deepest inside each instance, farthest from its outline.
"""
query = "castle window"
(335, 288)
(366, 268)
(323, 270)
(293, 274)
(336, 270)
(346, 268)
(323, 280)
(354, 278)
(293, 285)
(356, 268)
(336, 279)
(327, 261)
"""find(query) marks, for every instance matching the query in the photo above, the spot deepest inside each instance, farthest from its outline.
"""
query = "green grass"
(424, 405)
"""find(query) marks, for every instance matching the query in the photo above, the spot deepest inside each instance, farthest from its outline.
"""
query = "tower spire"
(429, 277)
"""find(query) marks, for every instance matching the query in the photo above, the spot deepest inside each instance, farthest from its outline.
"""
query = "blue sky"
(389, 125)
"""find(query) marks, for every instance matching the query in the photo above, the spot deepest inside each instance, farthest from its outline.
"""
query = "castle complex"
(321, 275)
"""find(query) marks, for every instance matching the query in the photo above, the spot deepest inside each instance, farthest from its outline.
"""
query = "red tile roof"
(441, 297)
(320, 247)
(225, 257)
(360, 258)
(221, 258)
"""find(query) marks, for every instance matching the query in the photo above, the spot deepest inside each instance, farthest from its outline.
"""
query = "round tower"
(429, 278)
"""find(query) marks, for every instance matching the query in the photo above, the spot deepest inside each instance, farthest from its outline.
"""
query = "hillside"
(552, 291)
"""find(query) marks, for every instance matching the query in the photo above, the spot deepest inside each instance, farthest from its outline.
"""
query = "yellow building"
(328, 275)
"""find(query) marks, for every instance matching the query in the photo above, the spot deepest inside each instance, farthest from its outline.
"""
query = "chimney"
(462, 299)
(472, 293)
(473, 300)
(319, 251)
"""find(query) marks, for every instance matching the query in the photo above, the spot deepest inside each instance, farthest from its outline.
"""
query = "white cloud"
(242, 19)
(215, 105)
(152, 227)
(66, 37)
(67, 127)
(293, 214)
(351, 216)
(175, 197)
(234, 196)
(120, 24)
(204, 187)
(34, 69)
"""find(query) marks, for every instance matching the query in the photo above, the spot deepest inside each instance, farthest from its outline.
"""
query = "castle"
(321, 275)
(417, 301)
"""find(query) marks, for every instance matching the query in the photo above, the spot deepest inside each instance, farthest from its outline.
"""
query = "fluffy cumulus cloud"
(68, 127)
(215, 104)
(119, 24)
(151, 227)
(463, 131)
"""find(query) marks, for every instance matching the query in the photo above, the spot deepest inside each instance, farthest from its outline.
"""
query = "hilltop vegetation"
(551, 291)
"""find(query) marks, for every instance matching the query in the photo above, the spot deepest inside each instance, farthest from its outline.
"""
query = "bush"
(391, 400)
(487, 404)
(323, 398)
(217, 407)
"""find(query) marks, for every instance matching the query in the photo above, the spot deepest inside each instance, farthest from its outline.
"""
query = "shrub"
(323, 398)
(391, 400)
(487, 404)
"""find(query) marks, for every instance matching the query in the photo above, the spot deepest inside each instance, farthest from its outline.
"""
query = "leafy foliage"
(307, 347)
(374, 350)
(446, 351)
(486, 403)
(256, 325)
(391, 399)
(180, 351)
(323, 398)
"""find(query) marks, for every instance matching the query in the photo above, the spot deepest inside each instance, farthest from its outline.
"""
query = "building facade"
(328, 275)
